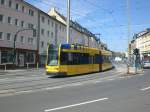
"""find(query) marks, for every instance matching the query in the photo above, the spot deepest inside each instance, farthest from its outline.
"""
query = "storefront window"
(30, 58)
(6, 57)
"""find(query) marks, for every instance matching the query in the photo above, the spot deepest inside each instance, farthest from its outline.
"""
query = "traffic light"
(136, 51)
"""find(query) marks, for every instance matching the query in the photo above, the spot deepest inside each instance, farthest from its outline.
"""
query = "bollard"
(5, 67)
(37, 66)
(27, 65)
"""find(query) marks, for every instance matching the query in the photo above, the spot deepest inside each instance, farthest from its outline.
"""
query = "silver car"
(146, 64)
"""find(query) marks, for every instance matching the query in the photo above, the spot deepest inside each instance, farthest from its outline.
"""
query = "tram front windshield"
(52, 55)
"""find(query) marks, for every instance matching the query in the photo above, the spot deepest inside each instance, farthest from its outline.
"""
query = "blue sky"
(107, 17)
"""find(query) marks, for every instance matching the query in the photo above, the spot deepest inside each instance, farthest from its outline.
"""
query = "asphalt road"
(22, 81)
(110, 93)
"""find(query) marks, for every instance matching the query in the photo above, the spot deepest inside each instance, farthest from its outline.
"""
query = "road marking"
(74, 105)
(55, 87)
(97, 82)
(144, 89)
(25, 91)
(77, 84)
(7, 91)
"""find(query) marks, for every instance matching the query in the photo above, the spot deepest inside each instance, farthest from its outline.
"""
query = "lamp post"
(129, 32)
(68, 21)
(15, 37)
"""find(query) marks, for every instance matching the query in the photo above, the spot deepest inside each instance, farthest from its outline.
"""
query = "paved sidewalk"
(3, 72)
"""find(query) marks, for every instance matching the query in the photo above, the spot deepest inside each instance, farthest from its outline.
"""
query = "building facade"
(78, 34)
(20, 16)
(51, 31)
(142, 42)
(16, 15)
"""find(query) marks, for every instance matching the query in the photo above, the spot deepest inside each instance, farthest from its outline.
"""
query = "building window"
(9, 20)
(60, 27)
(22, 39)
(48, 33)
(48, 21)
(10, 3)
(17, 6)
(42, 44)
(43, 19)
(2, 2)
(52, 23)
(52, 34)
(22, 8)
(30, 25)
(1, 18)
(16, 22)
(30, 40)
(1, 35)
(42, 31)
(31, 12)
(30, 58)
(22, 23)
(8, 36)
(6, 57)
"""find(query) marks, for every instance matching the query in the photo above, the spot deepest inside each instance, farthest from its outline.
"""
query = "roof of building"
(147, 31)
(41, 11)
(77, 26)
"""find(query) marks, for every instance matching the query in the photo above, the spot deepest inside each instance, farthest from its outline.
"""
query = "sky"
(107, 17)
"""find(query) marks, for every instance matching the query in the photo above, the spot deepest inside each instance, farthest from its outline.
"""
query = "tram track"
(45, 78)
(50, 84)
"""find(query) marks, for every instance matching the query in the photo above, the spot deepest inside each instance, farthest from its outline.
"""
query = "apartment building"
(78, 34)
(143, 43)
(51, 31)
(17, 15)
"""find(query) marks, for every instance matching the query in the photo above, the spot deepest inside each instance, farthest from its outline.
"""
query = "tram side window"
(106, 59)
(74, 58)
(70, 58)
(63, 58)
(98, 59)
(90, 59)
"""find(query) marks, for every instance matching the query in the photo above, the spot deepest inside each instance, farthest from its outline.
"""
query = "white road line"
(111, 79)
(74, 105)
(144, 89)
(77, 84)
(26, 91)
(97, 82)
(7, 91)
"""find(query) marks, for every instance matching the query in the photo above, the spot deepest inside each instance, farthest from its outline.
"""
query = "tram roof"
(75, 46)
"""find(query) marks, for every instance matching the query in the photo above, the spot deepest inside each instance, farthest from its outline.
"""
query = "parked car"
(146, 64)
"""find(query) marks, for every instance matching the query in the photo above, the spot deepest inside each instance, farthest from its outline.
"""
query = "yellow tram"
(68, 59)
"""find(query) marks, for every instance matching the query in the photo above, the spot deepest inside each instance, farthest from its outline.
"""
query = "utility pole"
(129, 32)
(68, 21)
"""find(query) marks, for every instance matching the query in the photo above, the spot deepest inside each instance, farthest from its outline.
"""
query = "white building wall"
(5, 27)
(57, 32)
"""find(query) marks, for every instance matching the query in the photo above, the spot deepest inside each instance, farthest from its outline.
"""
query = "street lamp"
(68, 21)
(15, 37)
(129, 32)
